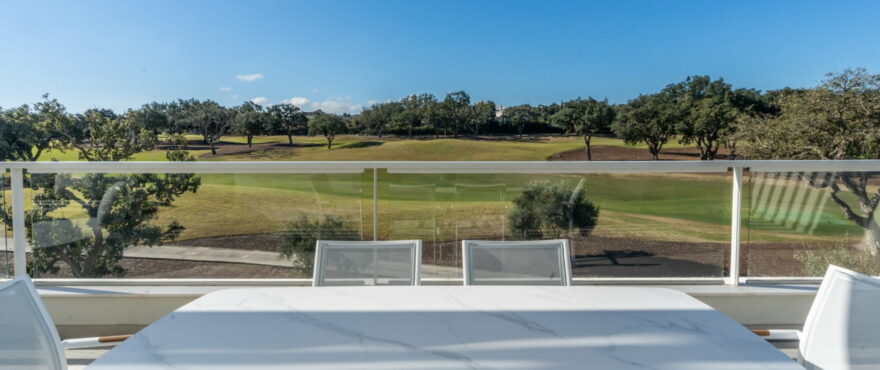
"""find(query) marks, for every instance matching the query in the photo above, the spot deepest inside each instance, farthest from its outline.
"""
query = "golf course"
(667, 225)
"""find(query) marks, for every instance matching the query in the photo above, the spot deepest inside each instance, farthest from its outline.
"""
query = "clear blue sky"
(340, 55)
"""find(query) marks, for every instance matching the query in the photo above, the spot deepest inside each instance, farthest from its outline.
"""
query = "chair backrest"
(28, 338)
(538, 262)
(842, 330)
(347, 263)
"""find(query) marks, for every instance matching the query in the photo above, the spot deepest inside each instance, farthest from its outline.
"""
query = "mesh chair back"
(347, 263)
(28, 338)
(539, 262)
(842, 330)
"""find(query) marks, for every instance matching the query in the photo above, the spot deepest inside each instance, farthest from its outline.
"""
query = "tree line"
(839, 119)
(698, 110)
(701, 111)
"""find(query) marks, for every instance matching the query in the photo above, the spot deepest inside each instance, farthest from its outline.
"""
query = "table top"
(445, 327)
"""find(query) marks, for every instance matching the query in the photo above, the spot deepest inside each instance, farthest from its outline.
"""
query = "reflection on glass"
(647, 225)
(188, 226)
(799, 223)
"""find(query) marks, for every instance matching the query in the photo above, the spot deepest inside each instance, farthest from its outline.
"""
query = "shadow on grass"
(361, 144)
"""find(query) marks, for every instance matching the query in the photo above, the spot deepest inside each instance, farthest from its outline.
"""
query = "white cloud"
(249, 78)
(338, 105)
(235, 96)
(225, 89)
(261, 100)
(298, 101)
(315, 91)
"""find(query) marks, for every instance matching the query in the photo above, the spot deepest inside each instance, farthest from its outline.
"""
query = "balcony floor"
(78, 359)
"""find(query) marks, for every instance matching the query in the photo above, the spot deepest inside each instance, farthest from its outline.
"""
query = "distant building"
(499, 111)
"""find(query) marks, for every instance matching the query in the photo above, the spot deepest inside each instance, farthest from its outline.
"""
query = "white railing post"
(735, 220)
(18, 230)
(375, 204)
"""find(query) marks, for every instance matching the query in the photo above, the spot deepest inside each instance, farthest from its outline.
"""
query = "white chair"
(28, 338)
(538, 262)
(842, 330)
(347, 263)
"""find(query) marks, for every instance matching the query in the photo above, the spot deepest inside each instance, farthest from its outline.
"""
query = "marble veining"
(445, 327)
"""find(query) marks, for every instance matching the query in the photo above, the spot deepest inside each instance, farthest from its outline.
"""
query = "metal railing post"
(375, 204)
(18, 230)
(735, 221)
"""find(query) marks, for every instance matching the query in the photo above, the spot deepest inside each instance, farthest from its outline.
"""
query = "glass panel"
(521, 265)
(156, 226)
(799, 223)
(648, 225)
(346, 266)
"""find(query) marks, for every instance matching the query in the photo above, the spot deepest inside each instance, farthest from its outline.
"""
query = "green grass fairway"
(670, 207)
(682, 207)
(353, 148)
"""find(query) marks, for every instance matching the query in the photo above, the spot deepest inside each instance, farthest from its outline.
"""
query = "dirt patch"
(230, 149)
(621, 153)
(592, 257)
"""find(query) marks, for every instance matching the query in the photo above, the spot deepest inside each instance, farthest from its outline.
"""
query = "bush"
(816, 261)
(300, 236)
(545, 209)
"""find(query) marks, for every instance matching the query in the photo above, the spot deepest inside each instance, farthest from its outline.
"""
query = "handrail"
(537, 167)
(419, 167)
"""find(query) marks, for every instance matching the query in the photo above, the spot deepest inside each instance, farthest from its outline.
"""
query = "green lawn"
(687, 207)
(354, 148)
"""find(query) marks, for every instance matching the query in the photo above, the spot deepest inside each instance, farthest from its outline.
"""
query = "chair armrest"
(778, 334)
(92, 342)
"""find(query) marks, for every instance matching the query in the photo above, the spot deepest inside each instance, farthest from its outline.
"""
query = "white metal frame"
(322, 245)
(419, 167)
(467, 247)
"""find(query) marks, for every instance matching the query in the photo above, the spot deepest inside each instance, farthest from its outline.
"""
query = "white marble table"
(445, 327)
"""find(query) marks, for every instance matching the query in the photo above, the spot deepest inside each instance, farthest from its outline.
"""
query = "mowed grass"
(672, 207)
(354, 148)
(684, 207)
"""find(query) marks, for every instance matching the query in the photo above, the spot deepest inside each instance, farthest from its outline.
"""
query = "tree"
(121, 208)
(328, 125)
(207, 117)
(707, 112)
(432, 116)
(250, 120)
(378, 117)
(300, 236)
(154, 117)
(288, 118)
(649, 119)
(415, 112)
(406, 120)
(585, 118)
(481, 114)
(838, 120)
(26, 132)
(519, 116)
(456, 110)
(547, 210)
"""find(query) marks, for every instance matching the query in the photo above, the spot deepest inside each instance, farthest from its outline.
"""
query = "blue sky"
(341, 55)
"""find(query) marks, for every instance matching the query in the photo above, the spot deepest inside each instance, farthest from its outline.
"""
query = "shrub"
(545, 209)
(300, 236)
(816, 261)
